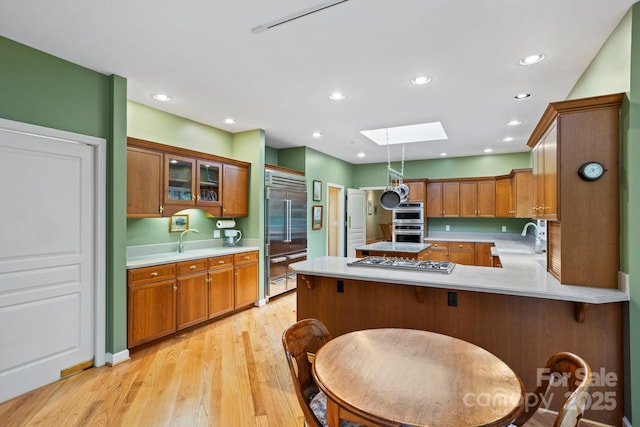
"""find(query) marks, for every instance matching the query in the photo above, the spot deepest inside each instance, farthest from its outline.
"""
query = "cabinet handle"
(161, 209)
(175, 288)
(198, 198)
(459, 246)
(193, 267)
(154, 274)
(193, 197)
(220, 262)
(246, 257)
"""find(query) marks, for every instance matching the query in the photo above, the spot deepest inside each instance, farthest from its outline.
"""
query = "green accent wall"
(375, 174)
(271, 156)
(630, 225)
(477, 225)
(44, 90)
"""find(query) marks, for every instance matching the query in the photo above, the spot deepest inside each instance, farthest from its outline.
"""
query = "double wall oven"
(408, 223)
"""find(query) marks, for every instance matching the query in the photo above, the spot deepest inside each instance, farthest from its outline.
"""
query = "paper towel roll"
(225, 223)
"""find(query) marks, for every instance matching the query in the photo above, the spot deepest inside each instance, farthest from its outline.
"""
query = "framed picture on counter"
(179, 223)
(317, 190)
(316, 217)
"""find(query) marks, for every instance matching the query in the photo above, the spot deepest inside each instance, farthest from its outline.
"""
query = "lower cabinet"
(221, 296)
(483, 255)
(165, 298)
(246, 278)
(191, 292)
(466, 253)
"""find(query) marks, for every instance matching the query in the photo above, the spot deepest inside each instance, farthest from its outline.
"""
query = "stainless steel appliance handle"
(278, 260)
(287, 221)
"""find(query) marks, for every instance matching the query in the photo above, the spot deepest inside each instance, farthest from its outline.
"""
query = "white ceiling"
(204, 54)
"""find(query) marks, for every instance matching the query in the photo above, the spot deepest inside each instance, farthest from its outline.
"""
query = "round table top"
(419, 378)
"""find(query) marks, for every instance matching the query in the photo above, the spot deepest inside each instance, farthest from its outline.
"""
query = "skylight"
(406, 134)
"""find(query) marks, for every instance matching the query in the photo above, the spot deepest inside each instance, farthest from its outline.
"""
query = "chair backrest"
(300, 341)
(570, 371)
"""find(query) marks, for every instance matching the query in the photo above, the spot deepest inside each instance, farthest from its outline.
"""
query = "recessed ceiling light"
(522, 96)
(361, 154)
(532, 59)
(443, 154)
(420, 80)
(488, 150)
(514, 122)
(316, 134)
(229, 121)
(508, 139)
(421, 132)
(161, 97)
(337, 96)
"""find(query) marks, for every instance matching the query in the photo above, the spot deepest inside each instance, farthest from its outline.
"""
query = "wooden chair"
(386, 232)
(301, 341)
(562, 369)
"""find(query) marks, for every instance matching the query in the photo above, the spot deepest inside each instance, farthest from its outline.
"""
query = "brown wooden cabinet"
(584, 215)
(483, 255)
(163, 180)
(235, 190)
(144, 183)
(221, 295)
(246, 278)
(514, 194)
(151, 303)
(417, 191)
(168, 297)
(191, 293)
(462, 253)
(545, 175)
(443, 199)
(477, 198)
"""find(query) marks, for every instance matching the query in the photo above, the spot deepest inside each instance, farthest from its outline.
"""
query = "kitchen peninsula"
(520, 312)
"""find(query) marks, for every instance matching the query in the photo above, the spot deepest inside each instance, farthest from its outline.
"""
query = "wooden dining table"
(400, 377)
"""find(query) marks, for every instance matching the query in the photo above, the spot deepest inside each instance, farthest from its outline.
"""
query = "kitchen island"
(520, 313)
(393, 249)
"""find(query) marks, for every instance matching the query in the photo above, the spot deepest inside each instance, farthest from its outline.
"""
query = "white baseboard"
(625, 422)
(114, 359)
(260, 302)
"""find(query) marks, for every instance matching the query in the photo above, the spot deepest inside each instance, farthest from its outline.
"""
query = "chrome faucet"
(538, 247)
(180, 242)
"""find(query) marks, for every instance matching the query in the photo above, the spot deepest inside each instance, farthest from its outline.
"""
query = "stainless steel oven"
(408, 223)
(411, 213)
(408, 233)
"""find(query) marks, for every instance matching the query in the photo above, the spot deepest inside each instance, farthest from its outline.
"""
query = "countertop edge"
(173, 257)
(560, 292)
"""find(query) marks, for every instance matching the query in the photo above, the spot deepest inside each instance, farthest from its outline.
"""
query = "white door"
(47, 265)
(356, 220)
(335, 220)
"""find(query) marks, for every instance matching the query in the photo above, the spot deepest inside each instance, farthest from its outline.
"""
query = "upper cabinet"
(443, 199)
(162, 180)
(514, 194)
(583, 212)
(477, 198)
(144, 183)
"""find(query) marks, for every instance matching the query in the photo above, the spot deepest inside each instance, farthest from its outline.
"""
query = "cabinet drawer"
(245, 257)
(220, 262)
(438, 245)
(152, 274)
(192, 266)
(462, 246)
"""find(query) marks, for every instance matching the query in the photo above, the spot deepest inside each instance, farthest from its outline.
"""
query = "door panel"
(276, 222)
(298, 221)
(46, 259)
(356, 223)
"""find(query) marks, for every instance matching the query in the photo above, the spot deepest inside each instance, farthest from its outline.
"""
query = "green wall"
(616, 68)
(43, 90)
(375, 174)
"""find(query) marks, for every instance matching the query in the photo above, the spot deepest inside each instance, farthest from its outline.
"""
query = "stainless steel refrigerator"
(286, 229)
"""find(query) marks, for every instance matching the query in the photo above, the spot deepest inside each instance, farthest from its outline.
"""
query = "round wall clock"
(591, 171)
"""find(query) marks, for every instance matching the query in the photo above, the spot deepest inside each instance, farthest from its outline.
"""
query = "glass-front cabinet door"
(179, 173)
(209, 183)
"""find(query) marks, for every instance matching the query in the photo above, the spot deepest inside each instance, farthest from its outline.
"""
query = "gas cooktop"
(404, 263)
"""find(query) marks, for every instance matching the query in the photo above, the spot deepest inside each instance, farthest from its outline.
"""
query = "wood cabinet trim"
(572, 106)
(170, 149)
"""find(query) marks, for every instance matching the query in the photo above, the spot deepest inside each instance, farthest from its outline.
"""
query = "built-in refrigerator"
(285, 230)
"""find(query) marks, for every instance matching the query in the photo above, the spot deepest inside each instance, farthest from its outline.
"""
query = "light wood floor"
(229, 373)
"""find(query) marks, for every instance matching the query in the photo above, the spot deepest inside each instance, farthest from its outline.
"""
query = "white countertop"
(148, 255)
(394, 247)
(523, 274)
